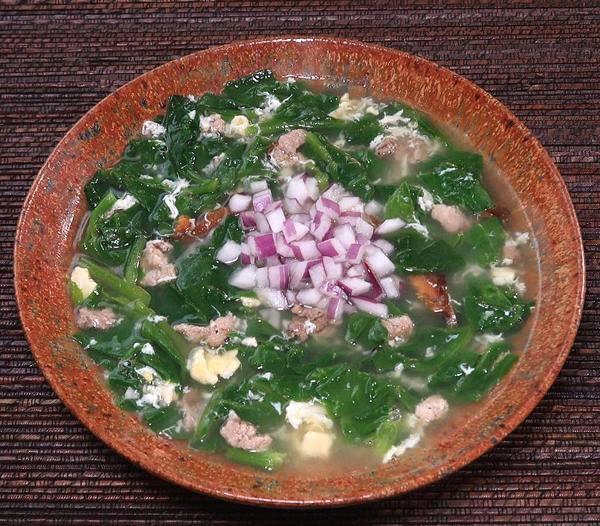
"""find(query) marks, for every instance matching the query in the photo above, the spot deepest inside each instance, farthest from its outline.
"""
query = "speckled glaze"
(56, 204)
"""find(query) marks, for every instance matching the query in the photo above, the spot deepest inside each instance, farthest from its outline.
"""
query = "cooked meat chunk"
(451, 218)
(219, 330)
(192, 333)
(285, 151)
(432, 408)
(215, 334)
(212, 124)
(432, 290)
(243, 435)
(306, 322)
(96, 318)
(409, 149)
(155, 263)
(400, 328)
(192, 404)
(200, 227)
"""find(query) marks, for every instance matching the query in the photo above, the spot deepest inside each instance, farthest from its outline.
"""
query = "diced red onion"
(229, 252)
(364, 228)
(312, 187)
(261, 200)
(328, 207)
(386, 247)
(351, 203)
(355, 253)
(331, 288)
(333, 270)
(376, 290)
(356, 271)
(292, 206)
(305, 249)
(265, 245)
(310, 297)
(290, 296)
(349, 218)
(244, 278)
(322, 303)
(332, 248)
(262, 225)
(335, 192)
(273, 298)
(257, 186)
(272, 260)
(374, 208)
(298, 270)
(390, 286)
(389, 226)
(370, 306)
(335, 308)
(301, 218)
(297, 189)
(320, 225)
(317, 275)
(275, 217)
(355, 286)
(262, 277)
(239, 203)
(279, 277)
(283, 249)
(248, 220)
(345, 235)
(293, 230)
(379, 263)
(245, 257)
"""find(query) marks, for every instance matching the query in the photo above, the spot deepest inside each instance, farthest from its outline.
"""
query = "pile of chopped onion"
(318, 250)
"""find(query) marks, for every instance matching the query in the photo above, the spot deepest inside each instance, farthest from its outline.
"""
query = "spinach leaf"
(417, 254)
(425, 125)
(455, 178)
(362, 131)
(489, 369)
(403, 203)
(495, 309)
(366, 330)
(359, 400)
(484, 241)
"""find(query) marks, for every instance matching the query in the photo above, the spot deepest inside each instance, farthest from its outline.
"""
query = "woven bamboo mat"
(57, 60)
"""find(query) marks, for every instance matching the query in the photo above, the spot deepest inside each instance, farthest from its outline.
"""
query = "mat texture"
(57, 60)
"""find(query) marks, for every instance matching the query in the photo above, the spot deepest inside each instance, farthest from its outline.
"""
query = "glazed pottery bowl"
(56, 204)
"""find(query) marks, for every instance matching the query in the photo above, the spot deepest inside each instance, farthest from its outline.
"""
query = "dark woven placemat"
(56, 61)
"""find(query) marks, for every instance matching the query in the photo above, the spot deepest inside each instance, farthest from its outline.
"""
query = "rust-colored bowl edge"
(361, 494)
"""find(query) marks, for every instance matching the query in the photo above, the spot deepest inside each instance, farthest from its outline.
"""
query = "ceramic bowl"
(56, 204)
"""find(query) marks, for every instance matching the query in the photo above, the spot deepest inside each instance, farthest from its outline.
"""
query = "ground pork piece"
(191, 404)
(451, 218)
(306, 322)
(219, 330)
(215, 334)
(155, 263)
(400, 328)
(96, 318)
(291, 141)
(413, 150)
(193, 333)
(285, 153)
(212, 124)
(243, 435)
(432, 408)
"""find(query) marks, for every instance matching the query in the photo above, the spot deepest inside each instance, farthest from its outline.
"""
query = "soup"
(292, 278)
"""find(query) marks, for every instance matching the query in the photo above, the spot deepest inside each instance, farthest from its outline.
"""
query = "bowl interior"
(56, 204)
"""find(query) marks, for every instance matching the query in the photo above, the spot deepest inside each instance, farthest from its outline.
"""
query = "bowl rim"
(516, 418)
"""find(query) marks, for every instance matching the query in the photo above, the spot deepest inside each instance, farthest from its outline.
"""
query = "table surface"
(57, 61)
